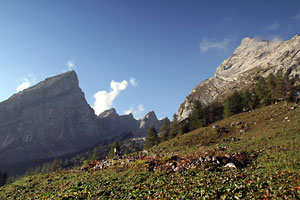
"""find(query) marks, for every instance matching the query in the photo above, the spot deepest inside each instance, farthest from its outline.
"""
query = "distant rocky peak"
(150, 116)
(109, 113)
(149, 120)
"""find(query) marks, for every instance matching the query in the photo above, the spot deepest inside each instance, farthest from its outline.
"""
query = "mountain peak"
(251, 44)
(52, 86)
(150, 115)
(247, 40)
(108, 113)
(149, 120)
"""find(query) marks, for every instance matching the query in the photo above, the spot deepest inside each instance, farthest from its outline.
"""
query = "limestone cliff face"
(49, 119)
(253, 57)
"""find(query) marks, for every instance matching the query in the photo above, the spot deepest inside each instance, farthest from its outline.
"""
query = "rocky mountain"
(252, 58)
(53, 118)
(150, 120)
(114, 123)
(47, 120)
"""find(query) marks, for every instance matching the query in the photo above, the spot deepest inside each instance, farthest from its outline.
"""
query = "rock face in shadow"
(49, 119)
(117, 124)
(253, 57)
(53, 118)
(124, 124)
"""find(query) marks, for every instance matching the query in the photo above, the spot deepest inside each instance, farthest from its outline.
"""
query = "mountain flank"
(252, 58)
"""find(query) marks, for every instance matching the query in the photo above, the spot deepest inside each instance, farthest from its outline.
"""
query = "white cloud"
(136, 112)
(274, 26)
(205, 45)
(133, 82)
(104, 100)
(25, 84)
(70, 65)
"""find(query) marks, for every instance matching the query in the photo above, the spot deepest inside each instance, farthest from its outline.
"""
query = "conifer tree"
(196, 118)
(164, 129)
(174, 127)
(255, 101)
(152, 138)
(284, 86)
(213, 112)
(247, 99)
(184, 127)
(233, 104)
(271, 83)
(261, 88)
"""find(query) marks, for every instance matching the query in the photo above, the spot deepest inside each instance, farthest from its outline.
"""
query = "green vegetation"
(233, 104)
(164, 131)
(152, 138)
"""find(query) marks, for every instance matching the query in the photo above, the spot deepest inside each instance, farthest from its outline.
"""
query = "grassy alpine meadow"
(270, 134)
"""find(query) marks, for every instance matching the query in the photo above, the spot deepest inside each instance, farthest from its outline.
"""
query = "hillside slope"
(270, 136)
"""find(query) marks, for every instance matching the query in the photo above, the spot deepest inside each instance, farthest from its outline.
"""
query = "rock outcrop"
(253, 57)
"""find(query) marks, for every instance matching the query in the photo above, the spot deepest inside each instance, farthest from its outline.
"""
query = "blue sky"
(165, 47)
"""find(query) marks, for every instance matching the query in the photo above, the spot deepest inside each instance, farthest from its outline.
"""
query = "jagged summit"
(253, 57)
(150, 116)
(149, 120)
(108, 113)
